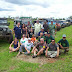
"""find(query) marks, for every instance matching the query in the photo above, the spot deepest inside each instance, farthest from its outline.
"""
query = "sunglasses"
(64, 37)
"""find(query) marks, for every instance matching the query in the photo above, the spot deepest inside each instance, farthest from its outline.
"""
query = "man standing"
(42, 30)
(53, 50)
(46, 27)
(37, 26)
(52, 29)
(40, 48)
(17, 31)
(63, 44)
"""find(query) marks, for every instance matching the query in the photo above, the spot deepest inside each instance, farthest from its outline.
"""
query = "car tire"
(10, 38)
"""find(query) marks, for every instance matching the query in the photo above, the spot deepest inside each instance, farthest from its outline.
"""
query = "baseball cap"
(29, 38)
(45, 33)
(42, 28)
(64, 35)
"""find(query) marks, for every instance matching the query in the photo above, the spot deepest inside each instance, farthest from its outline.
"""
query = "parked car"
(5, 32)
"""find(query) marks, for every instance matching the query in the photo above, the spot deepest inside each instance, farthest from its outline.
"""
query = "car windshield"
(3, 21)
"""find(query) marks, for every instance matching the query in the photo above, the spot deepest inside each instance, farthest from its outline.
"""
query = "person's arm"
(17, 47)
(59, 42)
(11, 43)
(57, 51)
(46, 51)
(14, 31)
(26, 31)
(27, 50)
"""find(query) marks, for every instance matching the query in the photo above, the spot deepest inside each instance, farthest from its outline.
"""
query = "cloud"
(2, 9)
(43, 3)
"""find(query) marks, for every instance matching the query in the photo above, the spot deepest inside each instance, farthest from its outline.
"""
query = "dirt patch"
(12, 67)
(41, 59)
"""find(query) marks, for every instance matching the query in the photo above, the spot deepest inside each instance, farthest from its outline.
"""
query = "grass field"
(8, 63)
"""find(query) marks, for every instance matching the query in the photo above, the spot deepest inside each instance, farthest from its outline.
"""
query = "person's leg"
(66, 50)
(54, 53)
(10, 48)
(20, 50)
(40, 52)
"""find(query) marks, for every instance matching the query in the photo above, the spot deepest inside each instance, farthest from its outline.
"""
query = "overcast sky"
(36, 8)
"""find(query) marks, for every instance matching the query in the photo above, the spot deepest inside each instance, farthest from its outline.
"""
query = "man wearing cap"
(52, 50)
(37, 27)
(17, 31)
(26, 47)
(39, 48)
(49, 38)
(46, 27)
(52, 29)
(42, 30)
(64, 44)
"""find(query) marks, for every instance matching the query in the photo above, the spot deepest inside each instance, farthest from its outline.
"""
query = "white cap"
(64, 35)
(42, 28)
(45, 33)
(29, 38)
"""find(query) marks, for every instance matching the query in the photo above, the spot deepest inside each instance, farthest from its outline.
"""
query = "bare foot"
(18, 54)
(10, 51)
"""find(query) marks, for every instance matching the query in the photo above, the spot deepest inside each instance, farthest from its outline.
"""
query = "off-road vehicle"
(5, 32)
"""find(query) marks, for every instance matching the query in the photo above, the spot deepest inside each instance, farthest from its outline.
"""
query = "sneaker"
(34, 56)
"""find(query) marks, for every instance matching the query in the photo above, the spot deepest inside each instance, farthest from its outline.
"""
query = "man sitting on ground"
(64, 44)
(26, 47)
(40, 48)
(53, 50)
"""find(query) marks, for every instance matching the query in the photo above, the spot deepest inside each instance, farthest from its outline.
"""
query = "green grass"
(8, 62)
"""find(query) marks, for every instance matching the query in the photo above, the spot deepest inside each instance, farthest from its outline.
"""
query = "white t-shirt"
(23, 41)
(29, 45)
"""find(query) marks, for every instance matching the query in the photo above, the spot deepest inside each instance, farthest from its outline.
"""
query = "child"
(33, 39)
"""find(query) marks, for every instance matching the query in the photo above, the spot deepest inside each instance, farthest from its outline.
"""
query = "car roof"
(3, 18)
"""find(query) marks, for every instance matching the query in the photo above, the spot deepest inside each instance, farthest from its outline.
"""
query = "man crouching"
(39, 48)
(52, 50)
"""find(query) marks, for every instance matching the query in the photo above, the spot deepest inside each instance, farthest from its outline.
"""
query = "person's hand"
(26, 27)
(61, 46)
(57, 55)
(28, 51)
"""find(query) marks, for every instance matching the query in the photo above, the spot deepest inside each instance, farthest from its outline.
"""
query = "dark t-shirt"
(30, 34)
(49, 39)
(39, 46)
(64, 43)
(53, 47)
(46, 27)
(23, 30)
(17, 30)
(41, 37)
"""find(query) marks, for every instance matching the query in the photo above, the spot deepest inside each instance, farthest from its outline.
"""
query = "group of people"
(38, 42)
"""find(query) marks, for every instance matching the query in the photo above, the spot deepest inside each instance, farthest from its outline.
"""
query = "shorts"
(18, 36)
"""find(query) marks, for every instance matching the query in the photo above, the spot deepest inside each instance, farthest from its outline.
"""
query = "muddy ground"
(40, 59)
